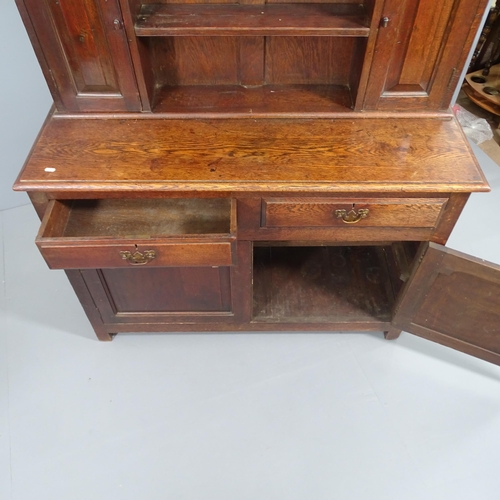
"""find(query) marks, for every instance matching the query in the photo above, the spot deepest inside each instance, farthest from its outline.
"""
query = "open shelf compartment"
(276, 76)
(329, 284)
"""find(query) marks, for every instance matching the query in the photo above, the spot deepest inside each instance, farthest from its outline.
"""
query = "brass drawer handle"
(352, 216)
(138, 258)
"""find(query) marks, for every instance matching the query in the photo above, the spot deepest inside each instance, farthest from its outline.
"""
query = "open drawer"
(111, 233)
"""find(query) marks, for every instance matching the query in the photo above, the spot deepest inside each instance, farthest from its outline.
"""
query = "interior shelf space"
(271, 76)
(329, 284)
(265, 100)
(344, 19)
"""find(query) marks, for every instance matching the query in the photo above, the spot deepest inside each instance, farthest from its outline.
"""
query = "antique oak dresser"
(260, 166)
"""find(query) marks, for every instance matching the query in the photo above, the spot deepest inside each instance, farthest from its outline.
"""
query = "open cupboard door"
(453, 299)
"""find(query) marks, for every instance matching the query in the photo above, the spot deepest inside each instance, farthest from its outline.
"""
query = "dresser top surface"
(349, 155)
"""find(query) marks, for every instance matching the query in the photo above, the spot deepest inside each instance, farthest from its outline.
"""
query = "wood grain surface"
(221, 20)
(318, 284)
(454, 299)
(95, 234)
(319, 212)
(371, 155)
(179, 101)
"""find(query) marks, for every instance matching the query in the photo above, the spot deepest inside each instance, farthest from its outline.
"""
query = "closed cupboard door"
(161, 294)
(85, 55)
(454, 299)
(421, 48)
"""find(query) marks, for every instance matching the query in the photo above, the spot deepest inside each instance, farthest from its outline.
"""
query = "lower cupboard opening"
(329, 284)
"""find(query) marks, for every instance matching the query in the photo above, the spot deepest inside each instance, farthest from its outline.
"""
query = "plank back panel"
(303, 60)
(196, 60)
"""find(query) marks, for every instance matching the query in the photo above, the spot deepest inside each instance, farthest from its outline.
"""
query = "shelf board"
(266, 100)
(251, 20)
(321, 284)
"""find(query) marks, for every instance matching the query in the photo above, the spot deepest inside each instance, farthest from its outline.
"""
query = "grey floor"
(248, 416)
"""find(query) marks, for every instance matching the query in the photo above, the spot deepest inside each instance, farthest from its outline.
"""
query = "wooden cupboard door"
(83, 50)
(453, 299)
(161, 295)
(421, 48)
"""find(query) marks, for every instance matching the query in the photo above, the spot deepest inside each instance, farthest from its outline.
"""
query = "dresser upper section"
(183, 59)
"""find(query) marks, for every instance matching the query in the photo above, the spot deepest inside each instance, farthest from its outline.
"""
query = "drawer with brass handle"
(368, 212)
(94, 234)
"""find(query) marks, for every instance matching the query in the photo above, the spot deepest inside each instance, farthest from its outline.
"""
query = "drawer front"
(331, 212)
(117, 233)
(73, 255)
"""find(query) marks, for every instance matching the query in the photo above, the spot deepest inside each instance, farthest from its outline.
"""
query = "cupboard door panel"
(84, 44)
(419, 56)
(161, 294)
(454, 299)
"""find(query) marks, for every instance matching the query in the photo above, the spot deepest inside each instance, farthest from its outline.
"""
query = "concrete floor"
(247, 416)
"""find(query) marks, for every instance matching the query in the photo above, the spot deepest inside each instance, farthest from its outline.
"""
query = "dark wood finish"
(392, 334)
(169, 290)
(454, 299)
(171, 297)
(309, 60)
(362, 62)
(40, 202)
(139, 54)
(148, 218)
(419, 55)
(204, 60)
(217, 142)
(223, 20)
(232, 101)
(280, 101)
(419, 156)
(318, 284)
(84, 48)
(252, 51)
(94, 233)
(288, 76)
(91, 305)
(388, 212)
(250, 221)
(73, 254)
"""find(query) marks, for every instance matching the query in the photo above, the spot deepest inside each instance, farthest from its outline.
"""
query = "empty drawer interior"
(140, 218)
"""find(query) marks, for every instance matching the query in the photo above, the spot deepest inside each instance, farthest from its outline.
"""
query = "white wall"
(24, 102)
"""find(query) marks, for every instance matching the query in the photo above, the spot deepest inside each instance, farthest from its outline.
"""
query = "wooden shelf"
(322, 284)
(251, 20)
(267, 100)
